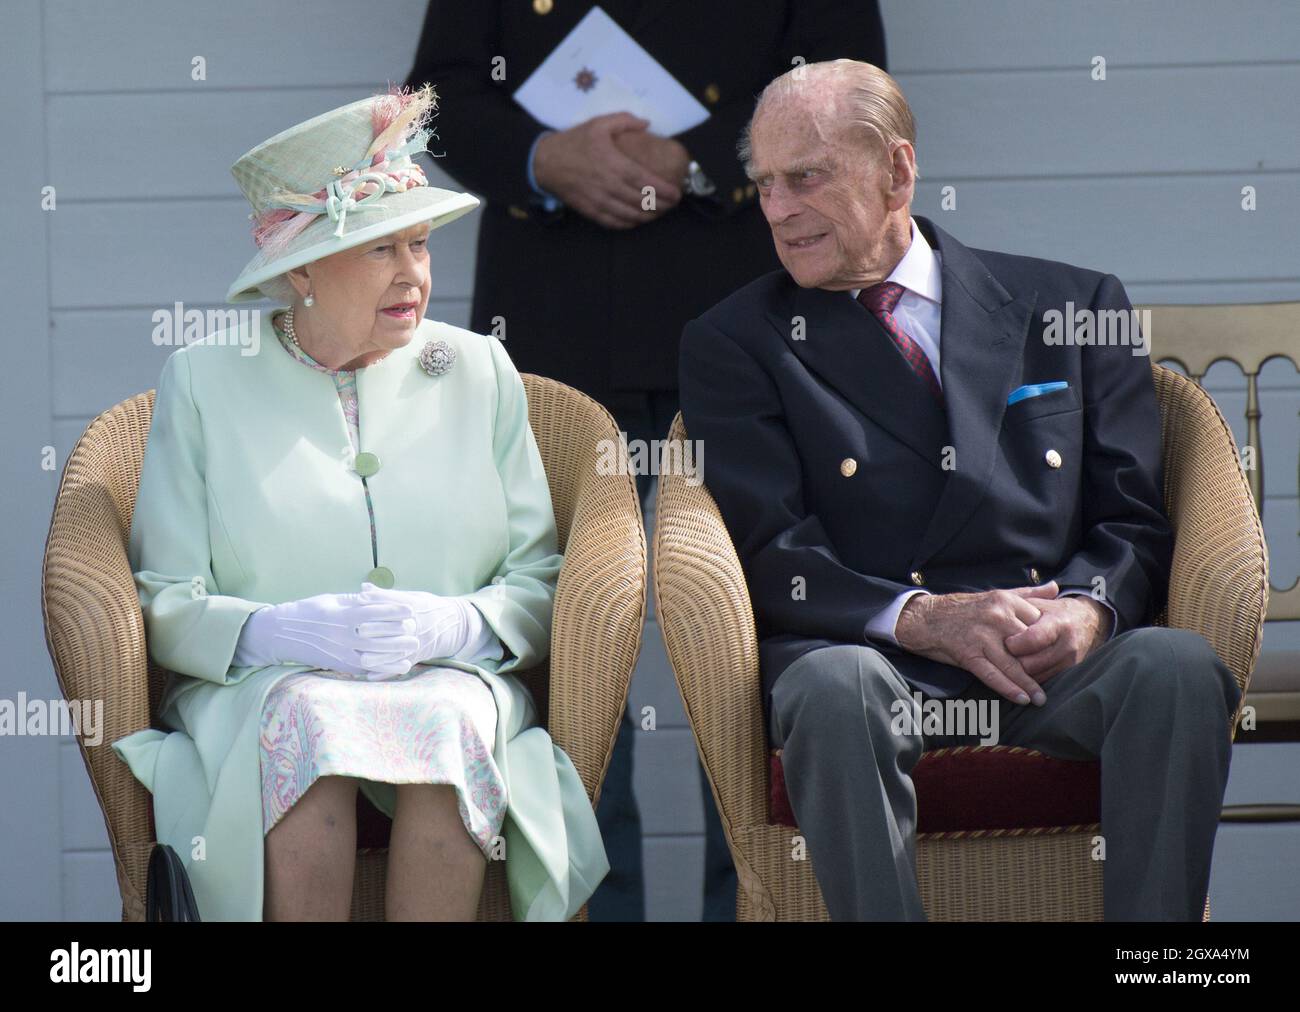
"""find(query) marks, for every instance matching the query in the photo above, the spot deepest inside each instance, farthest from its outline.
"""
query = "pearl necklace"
(287, 326)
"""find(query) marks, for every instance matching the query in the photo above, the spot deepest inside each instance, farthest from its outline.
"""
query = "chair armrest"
(600, 596)
(94, 629)
(702, 600)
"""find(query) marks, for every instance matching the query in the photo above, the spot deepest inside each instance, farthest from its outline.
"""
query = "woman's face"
(368, 300)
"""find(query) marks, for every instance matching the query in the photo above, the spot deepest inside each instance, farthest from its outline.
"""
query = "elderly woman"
(343, 545)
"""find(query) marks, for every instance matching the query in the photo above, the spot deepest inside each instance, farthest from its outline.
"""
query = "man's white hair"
(853, 93)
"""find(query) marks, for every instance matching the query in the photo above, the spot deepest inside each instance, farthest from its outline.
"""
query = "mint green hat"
(338, 180)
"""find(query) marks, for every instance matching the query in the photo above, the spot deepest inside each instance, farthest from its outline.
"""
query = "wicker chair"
(1037, 869)
(95, 629)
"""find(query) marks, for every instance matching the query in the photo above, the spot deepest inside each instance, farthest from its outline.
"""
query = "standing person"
(583, 284)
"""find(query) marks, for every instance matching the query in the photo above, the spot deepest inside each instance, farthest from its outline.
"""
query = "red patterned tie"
(881, 300)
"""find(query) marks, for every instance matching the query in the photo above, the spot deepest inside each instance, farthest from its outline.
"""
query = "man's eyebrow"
(794, 169)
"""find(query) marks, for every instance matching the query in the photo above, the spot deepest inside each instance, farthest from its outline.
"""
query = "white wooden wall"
(1139, 175)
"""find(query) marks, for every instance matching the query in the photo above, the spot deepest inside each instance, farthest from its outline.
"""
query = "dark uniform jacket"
(597, 308)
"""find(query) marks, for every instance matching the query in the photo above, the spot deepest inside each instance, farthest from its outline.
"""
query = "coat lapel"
(844, 344)
(982, 339)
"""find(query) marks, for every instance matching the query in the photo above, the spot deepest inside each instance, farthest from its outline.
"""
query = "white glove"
(446, 627)
(348, 633)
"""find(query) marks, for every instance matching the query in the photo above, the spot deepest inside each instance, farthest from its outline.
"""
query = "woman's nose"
(411, 265)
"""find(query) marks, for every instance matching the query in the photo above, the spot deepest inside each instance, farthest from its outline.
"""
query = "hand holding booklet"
(597, 69)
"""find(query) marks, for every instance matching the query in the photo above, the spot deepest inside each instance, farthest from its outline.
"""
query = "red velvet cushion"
(982, 788)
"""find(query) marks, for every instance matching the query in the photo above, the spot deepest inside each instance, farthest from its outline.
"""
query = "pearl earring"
(308, 300)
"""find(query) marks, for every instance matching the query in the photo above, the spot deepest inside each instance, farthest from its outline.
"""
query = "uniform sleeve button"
(918, 578)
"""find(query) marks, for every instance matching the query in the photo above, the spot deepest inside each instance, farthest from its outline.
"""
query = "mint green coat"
(248, 497)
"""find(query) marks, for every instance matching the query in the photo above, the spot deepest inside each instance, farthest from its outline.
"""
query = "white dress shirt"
(918, 312)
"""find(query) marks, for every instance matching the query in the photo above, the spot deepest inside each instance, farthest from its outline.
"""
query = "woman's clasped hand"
(371, 635)
(444, 626)
(342, 632)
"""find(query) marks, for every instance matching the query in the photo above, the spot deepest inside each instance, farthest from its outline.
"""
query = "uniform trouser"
(1153, 705)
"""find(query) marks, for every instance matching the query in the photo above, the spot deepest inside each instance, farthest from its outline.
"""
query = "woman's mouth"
(807, 242)
(401, 311)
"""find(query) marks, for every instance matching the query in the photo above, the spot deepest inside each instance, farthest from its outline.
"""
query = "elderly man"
(931, 492)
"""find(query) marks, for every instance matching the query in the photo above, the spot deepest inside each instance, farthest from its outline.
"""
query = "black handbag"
(167, 894)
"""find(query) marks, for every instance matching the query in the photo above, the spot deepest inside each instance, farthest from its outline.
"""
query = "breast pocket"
(1054, 403)
(1042, 445)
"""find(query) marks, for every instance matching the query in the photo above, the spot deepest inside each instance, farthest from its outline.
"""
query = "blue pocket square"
(1034, 390)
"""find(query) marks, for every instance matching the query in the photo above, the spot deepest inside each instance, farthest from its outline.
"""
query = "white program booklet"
(600, 69)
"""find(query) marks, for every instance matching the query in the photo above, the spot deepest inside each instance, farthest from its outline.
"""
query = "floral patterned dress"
(433, 725)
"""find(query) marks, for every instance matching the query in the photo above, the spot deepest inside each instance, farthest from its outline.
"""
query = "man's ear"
(900, 177)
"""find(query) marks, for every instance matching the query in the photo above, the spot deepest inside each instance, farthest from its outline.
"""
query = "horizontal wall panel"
(1049, 123)
(1198, 293)
(1142, 229)
(1253, 877)
(947, 37)
(154, 254)
(985, 125)
(149, 44)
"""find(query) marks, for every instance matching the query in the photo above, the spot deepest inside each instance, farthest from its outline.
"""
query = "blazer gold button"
(848, 467)
(917, 577)
(543, 6)
(517, 212)
(1033, 575)
(381, 576)
(366, 464)
(1053, 458)
(711, 94)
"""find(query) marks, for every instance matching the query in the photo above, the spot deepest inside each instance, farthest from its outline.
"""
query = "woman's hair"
(852, 92)
(278, 289)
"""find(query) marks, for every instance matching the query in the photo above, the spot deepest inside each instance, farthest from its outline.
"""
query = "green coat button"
(381, 576)
(366, 464)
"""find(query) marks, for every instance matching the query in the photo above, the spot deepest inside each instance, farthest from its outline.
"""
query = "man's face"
(826, 198)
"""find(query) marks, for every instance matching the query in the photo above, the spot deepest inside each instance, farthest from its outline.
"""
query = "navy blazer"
(960, 498)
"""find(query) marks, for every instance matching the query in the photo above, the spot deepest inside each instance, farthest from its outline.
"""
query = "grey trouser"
(1152, 704)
